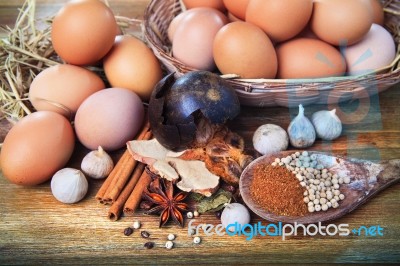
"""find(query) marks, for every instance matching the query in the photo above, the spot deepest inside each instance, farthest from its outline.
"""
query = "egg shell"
(280, 19)
(39, 145)
(378, 16)
(216, 4)
(232, 17)
(237, 7)
(308, 58)
(62, 88)
(83, 31)
(234, 53)
(109, 118)
(193, 39)
(132, 65)
(341, 22)
(174, 24)
(376, 50)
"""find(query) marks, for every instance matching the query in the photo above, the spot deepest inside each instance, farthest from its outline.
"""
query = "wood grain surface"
(36, 229)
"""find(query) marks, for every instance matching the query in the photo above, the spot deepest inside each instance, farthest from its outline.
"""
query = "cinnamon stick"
(134, 199)
(116, 208)
(110, 179)
(103, 195)
(124, 175)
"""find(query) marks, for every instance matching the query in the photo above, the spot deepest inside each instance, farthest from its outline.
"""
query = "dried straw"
(23, 54)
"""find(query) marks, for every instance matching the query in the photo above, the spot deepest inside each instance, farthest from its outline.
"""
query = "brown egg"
(39, 145)
(132, 65)
(83, 31)
(244, 49)
(174, 24)
(62, 88)
(308, 58)
(237, 7)
(378, 16)
(193, 39)
(232, 17)
(341, 22)
(109, 118)
(281, 20)
(217, 4)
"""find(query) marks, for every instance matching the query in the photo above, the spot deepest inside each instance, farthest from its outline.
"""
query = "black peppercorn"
(128, 231)
(145, 234)
(149, 245)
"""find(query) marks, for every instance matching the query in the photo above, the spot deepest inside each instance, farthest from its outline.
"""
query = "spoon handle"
(389, 175)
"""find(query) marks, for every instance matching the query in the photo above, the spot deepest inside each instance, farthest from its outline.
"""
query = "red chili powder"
(277, 190)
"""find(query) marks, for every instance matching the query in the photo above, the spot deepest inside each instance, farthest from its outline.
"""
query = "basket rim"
(385, 72)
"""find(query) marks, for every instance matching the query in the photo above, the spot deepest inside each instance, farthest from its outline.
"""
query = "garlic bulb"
(270, 138)
(97, 164)
(301, 131)
(327, 124)
(69, 185)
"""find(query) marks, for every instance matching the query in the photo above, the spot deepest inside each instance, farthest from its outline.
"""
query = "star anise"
(168, 206)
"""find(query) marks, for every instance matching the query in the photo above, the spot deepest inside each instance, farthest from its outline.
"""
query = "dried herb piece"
(215, 202)
(196, 196)
(149, 245)
(168, 205)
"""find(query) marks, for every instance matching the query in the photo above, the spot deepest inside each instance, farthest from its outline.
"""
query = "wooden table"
(35, 228)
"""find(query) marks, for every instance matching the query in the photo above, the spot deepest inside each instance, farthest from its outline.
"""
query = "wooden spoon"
(366, 180)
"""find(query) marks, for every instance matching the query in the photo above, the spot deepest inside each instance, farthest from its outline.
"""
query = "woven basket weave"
(280, 92)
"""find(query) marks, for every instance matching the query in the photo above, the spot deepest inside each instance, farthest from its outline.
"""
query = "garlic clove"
(301, 131)
(327, 124)
(270, 138)
(69, 185)
(97, 164)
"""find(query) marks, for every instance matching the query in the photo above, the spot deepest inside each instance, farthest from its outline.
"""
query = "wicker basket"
(280, 92)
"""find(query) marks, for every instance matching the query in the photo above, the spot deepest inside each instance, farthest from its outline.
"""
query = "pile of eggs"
(282, 39)
(85, 36)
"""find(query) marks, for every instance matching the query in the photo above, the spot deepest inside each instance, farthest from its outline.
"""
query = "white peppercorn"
(171, 237)
(317, 207)
(197, 240)
(169, 244)
(136, 224)
(336, 198)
